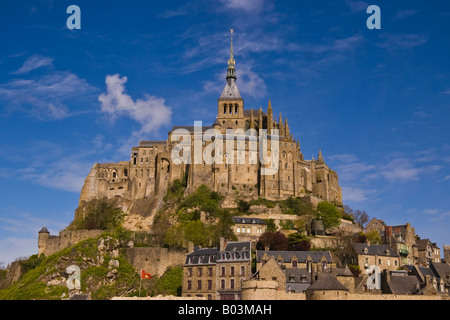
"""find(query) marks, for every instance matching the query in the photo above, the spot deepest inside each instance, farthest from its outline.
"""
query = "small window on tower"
(235, 108)
(224, 109)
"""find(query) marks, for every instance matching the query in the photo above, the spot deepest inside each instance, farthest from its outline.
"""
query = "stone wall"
(268, 290)
(155, 260)
(49, 244)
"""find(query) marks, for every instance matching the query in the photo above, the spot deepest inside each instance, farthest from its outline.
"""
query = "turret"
(43, 236)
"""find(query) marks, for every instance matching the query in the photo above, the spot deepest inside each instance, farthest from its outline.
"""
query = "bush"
(100, 213)
(171, 282)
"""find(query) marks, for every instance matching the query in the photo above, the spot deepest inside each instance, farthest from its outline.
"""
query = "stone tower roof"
(44, 230)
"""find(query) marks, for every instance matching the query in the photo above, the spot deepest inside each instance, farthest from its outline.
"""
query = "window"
(224, 109)
(232, 283)
(232, 271)
(210, 271)
(189, 272)
(235, 108)
(223, 271)
(294, 263)
(242, 270)
(199, 272)
(199, 285)
(238, 230)
(209, 284)
(189, 285)
(222, 284)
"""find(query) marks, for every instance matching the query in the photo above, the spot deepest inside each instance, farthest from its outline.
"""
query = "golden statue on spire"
(231, 62)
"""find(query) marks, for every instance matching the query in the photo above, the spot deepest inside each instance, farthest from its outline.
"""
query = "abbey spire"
(231, 91)
(231, 71)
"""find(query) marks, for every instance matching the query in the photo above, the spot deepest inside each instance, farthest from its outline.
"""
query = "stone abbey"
(151, 169)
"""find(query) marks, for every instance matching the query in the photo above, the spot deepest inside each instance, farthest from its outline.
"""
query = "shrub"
(99, 213)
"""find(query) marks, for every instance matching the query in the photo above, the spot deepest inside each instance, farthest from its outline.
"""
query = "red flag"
(145, 275)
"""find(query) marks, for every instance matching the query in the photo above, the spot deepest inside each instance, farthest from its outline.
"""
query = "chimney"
(388, 235)
(223, 244)
(368, 242)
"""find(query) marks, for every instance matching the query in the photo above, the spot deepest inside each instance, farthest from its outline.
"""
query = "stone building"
(381, 256)
(217, 274)
(292, 266)
(428, 252)
(376, 224)
(402, 239)
(260, 158)
(249, 228)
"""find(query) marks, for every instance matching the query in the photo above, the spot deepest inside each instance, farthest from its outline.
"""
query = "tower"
(230, 111)
(43, 236)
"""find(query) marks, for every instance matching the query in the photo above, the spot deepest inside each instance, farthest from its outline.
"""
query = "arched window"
(235, 108)
(125, 172)
(224, 109)
(231, 110)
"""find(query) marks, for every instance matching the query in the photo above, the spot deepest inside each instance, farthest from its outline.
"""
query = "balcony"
(403, 251)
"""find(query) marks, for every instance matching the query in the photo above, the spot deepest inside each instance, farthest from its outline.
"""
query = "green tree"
(373, 236)
(171, 282)
(273, 240)
(328, 214)
(99, 213)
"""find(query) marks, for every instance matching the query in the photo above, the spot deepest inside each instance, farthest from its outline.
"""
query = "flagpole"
(140, 281)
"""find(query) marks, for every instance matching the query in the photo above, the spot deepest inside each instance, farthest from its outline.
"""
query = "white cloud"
(356, 6)
(249, 6)
(151, 112)
(44, 97)
(403, 14)
(401, 41)
(355, 194)
(248, 82)
(34, 62)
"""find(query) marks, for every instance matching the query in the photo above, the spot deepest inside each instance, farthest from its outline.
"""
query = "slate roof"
(404, 285)
(287, 256)
(235, 250)
(202, 256)
(326, 281)
(44, 230)
(442, 270)
(248, 220)
(375, 249)
(344, 272)
(297, 275)
(230, 92)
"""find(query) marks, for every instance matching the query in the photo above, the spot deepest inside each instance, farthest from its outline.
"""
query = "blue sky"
(377, 102)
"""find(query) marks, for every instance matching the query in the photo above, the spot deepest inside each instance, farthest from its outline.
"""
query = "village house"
(248, 228)
(217, 273)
